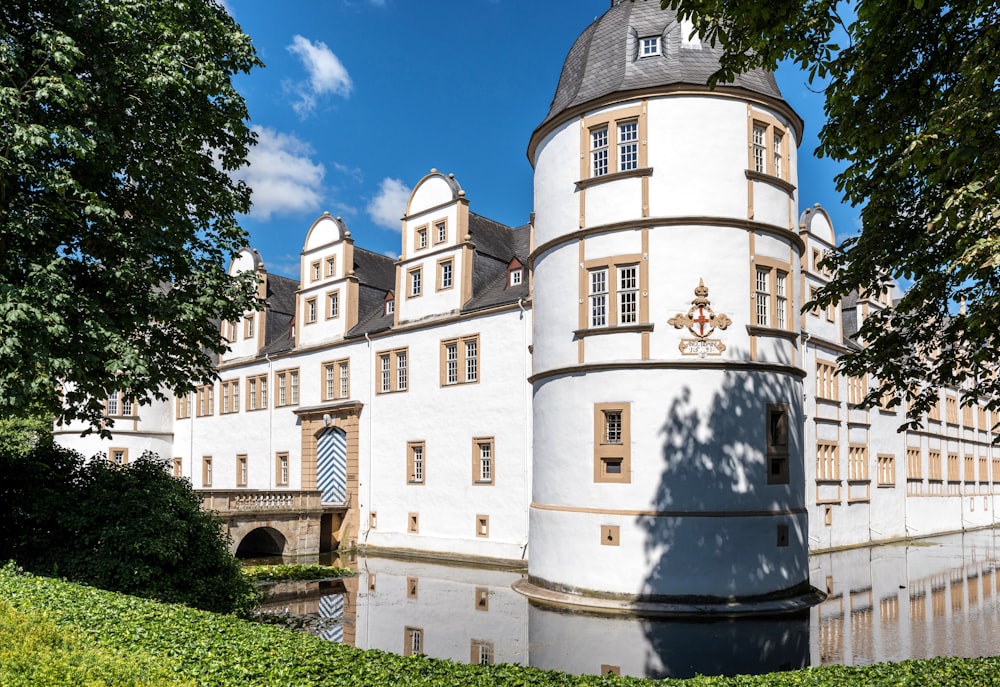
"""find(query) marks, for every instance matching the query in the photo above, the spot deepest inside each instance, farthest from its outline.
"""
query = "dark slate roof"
(849, 319)
(489, 272)
(491, 238)
(280, 311)
(604, 59)
(375, 270)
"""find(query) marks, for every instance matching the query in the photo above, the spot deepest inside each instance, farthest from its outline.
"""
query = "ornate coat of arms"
(701, 321)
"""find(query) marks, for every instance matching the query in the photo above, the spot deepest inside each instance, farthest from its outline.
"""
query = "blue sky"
(361, 98)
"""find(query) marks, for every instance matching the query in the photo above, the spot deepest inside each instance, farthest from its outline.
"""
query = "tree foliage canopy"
(119, 125)
(913, 109)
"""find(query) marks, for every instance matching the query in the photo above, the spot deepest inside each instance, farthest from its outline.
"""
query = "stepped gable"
(604, 59)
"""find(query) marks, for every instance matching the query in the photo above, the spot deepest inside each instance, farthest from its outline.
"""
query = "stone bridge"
(287, 523)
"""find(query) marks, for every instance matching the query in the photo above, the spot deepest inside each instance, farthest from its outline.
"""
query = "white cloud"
(389, 205)
(282, 175)
(327, 74)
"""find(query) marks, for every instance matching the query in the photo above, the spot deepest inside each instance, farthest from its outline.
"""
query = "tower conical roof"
(605, 58)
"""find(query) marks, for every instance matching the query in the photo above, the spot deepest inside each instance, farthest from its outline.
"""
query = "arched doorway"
(263, 541)
(331, 466)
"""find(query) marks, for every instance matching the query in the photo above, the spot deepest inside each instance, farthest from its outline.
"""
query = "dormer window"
(515, 272)
(390, 304)
(649, 46)
(515, 277)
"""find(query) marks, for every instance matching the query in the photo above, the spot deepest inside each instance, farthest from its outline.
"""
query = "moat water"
(933, 597)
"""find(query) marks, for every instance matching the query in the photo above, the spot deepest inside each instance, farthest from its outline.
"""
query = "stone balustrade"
(247, 501)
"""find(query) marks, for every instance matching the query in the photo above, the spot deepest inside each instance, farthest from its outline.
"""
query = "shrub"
(134, 529)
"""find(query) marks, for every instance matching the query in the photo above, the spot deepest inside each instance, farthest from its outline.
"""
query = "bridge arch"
(260, 541)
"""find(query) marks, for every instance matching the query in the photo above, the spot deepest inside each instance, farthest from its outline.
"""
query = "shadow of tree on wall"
(714, 462)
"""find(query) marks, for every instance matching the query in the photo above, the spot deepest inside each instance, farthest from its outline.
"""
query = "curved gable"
(324, 231)
(246, 260)
(817, 222)
(432, 191)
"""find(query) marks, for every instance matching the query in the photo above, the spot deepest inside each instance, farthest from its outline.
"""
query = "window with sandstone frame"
(612, 443)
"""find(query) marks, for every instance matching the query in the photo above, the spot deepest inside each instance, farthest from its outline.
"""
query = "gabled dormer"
(246, 335)
(816, 231)
(326, 303)
(434, 271)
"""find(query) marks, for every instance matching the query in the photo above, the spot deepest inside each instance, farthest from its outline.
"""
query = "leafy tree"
(119, 124)
(913, 109)
(133, 529)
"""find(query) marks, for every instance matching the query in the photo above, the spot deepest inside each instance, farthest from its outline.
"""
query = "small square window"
(649, 46)
(515, 277)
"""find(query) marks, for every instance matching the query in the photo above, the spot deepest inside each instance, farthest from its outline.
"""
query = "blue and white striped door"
(332, 607)
(331, 465)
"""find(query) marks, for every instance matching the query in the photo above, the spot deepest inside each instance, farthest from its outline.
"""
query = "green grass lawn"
(57, 633)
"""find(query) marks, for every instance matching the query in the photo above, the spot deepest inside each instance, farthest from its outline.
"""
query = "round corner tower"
(667, 460)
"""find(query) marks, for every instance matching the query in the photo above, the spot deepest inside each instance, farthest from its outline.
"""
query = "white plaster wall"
(698, 152)
(555, 304)
(557, 169)
(150, 430)
(680, 257)
(613, 201)
(697, 440)
(447, 420)
(431, 301)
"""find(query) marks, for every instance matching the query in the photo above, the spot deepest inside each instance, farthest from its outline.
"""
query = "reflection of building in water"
(930, 600)
(623, 391)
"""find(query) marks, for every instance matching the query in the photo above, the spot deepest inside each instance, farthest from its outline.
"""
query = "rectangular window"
(111, 407)
(287, 393)
(628, 146)
(231, 396)
(248, 325)
(649, 46)
(763, 297)
(441, 232)
(777, 154)
(482, 460)
(310, 310)
(481, 653)
(393, 370)
(415, 462)
(336, 380)
(780, 299)
(331, 266)
(314, 269)
(777, 443)
(599, 151)
(118, 456)
(951, 410)
(914, 464)
(178, 468)
(954, 474)
(281, 470)
(598, 298)
(515, 277)
(416, 282)
(422, 237)
(241, 471)
(857, 463)
(827, 381)
(857, 389)
(759, 148)
(967, 417)
(612, 443)
(206, 400)
(257, 392)
(184, 406)
(460, 361)
(970, 470)
(206, 471)
(413, 641)
(628, 294)
(935, 471)
(767, 148)
(445, 274)
(827, 461)
(333, 305)
(886, 470)
(984, 470)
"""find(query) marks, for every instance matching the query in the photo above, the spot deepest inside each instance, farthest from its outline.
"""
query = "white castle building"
(624, 392)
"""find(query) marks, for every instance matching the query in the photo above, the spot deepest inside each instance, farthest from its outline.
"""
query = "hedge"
(57, 633)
